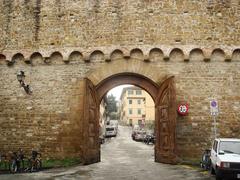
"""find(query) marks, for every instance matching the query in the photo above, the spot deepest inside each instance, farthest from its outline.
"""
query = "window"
(139, 101)
(130, 122)
(138, 92)
(215, 145)
(230, 147)
(109, 129)
(130, 92)
(130, 111)
(139, 122)
(130, 101)
(139, 111)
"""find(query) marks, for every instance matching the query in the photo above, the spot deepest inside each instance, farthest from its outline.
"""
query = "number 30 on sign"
(183, 109)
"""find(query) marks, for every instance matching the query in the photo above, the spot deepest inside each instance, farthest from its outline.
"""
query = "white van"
(225, 158)
(111, 131)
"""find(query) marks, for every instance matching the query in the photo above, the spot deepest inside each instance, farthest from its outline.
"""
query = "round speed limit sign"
(183, 109)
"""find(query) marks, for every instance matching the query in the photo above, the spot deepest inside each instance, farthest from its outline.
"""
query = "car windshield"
(230, 147)
(109, 129)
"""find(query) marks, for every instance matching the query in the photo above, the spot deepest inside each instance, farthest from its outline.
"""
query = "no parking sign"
(183, 109)
(214, 107)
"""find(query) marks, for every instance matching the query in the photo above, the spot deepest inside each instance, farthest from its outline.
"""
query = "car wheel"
(212, 171)
(38, 165)
(218, 176)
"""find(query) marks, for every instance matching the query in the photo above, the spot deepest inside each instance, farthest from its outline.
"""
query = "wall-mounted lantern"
(20, 78)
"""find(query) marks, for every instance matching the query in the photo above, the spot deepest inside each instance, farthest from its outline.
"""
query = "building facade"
(73, 52)
(137, 107)
(102, 117)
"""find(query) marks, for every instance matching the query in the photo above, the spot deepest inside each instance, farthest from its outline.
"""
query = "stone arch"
(116, 54)
(133, 66)
(36, 59)
(196, 55)
(176, 55)
(2, 59)
(56, 58)
(96, 56)
(164, 97)
(136, 54)
(236, 55)
(18, 58)
(127, 78)
(75, 57)
(218, 55)
(155, 55)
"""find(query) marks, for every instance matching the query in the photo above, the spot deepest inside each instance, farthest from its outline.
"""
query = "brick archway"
(164, 97)
(127, 78)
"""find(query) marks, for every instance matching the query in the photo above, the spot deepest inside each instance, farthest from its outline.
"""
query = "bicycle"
(16, 163)
(35, 162)
(206, 161)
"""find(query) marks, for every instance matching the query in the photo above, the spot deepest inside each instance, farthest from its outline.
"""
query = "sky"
(117, 91)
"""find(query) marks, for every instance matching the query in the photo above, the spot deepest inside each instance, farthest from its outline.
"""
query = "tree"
(111, 107)
(114, 115)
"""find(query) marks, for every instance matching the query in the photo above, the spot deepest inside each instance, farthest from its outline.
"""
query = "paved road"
(122, 158)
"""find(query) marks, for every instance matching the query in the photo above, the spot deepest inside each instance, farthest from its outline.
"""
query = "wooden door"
(165, 123)
(91, 147)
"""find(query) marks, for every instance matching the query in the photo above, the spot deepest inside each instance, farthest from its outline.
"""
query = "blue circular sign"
(214, 104)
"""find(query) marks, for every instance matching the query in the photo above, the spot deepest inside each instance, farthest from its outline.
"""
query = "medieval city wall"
(58, 43)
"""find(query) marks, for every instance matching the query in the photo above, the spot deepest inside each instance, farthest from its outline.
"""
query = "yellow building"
(102, 114)
(136, 106)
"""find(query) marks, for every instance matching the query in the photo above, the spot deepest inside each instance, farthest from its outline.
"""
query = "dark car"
(149, 138)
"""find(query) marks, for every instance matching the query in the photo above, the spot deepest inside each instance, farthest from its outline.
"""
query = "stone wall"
(51, 118)
(29, 24)
(58, 43)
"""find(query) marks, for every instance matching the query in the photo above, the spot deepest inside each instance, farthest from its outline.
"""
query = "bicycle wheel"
(13, 167)
(38, 165)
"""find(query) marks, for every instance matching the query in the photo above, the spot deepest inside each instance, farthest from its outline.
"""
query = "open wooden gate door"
(91, 145)
(165, 123)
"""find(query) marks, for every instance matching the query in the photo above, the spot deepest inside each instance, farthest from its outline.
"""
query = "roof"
(228, 139)
(129, 88)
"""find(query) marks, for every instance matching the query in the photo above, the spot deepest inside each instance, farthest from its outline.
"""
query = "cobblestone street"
(122, 158)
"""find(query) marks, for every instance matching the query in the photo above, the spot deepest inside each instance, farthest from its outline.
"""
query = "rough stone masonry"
(58, 43)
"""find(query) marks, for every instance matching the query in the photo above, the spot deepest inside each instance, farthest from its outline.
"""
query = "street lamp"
(20, 78)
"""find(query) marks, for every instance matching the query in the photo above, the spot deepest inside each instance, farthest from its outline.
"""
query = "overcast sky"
(117, 91)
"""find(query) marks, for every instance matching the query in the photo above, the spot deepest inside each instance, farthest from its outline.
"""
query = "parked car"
(113, 122)
(139, 135)
(149, 138)
(225, 158)
(134, 131)
(111, 131)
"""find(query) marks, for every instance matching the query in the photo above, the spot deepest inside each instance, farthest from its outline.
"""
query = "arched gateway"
(164, 97)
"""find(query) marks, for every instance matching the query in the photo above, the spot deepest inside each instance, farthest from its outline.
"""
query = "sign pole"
(214, 112)
(215, 127)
